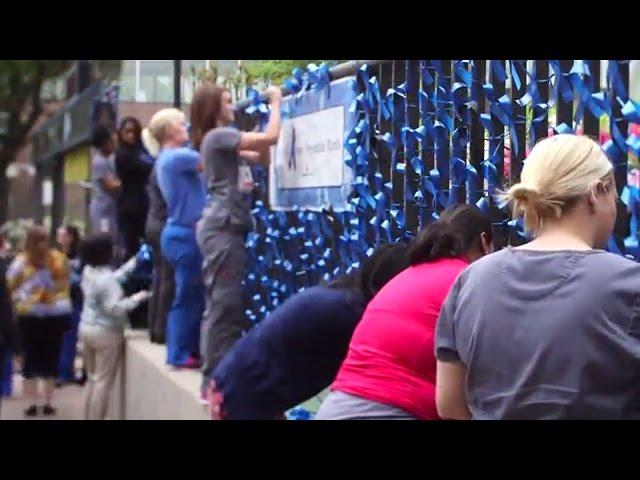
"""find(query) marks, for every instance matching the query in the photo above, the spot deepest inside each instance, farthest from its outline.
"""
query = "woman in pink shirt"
(390, 370)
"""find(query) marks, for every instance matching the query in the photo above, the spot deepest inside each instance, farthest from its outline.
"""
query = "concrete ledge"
(148, 389)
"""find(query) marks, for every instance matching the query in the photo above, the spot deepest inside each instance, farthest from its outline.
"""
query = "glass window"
(128, 88)
(190, 71)
(128, 81)
(54, 89)
(152, 80)
(156, 81)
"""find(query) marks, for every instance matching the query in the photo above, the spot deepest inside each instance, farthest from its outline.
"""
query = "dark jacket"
(133, 167)
(157, 216)
(291, 355)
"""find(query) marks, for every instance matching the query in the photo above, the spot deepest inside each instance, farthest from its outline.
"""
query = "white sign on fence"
(310, 151)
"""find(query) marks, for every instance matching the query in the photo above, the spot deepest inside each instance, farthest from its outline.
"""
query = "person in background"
(163, 286)
(7, 328)
(296, 351)
(133, 166)
(5, 250)
(105, 183)
(68, 239)
(179, 177)
(227, 154)
(104, 317)
(38, 280)
(390, 370)
(549, 329)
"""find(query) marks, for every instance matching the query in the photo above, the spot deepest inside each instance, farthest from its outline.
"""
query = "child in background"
(104, 318)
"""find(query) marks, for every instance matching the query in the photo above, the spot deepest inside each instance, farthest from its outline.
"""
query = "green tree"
(20, 106)
(255, 73)
(275, 72)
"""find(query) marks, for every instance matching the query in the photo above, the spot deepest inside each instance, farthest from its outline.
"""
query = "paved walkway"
(68, 400)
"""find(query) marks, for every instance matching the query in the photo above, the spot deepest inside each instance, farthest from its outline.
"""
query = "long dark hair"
(74, 248)
(137, 126)
(385, 263)
(100, 136)
(456, 231)
(97, 250)
(205, 110)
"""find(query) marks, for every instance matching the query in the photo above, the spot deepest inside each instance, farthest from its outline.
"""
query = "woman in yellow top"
(38, 281)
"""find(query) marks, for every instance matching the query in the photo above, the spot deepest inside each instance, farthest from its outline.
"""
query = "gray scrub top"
(546, 335)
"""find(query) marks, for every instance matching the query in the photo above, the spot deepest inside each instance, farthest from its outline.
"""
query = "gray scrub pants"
(162, 287)
(224, 320)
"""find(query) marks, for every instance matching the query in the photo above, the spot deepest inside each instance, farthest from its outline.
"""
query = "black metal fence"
(435, 132)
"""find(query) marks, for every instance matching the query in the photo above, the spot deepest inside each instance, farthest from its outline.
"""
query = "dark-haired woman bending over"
(390, 370)
(296, 351)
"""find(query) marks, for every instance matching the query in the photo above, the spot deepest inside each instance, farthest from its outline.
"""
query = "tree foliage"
(252, 73)
(20, 106)
(274, 72)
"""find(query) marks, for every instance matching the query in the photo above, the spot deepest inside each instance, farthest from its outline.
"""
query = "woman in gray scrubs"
(227, 154)
(550, 329)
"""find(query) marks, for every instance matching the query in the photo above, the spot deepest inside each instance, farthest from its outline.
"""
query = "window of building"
(128, 81)
(55, 89)
(189, 78)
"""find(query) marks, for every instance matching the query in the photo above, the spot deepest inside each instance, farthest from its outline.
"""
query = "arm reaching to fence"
(260, 142)
(125, 270)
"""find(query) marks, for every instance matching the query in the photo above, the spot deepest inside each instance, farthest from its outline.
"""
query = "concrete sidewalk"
(68, 400)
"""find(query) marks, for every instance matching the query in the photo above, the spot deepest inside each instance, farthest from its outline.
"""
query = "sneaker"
(32, 411)
(192, 362)
(204, 401)
(48, 410)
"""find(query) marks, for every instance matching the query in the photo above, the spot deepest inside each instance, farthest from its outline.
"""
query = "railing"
(437, 132)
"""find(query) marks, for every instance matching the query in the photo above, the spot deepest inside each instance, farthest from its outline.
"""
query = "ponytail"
(456, 231)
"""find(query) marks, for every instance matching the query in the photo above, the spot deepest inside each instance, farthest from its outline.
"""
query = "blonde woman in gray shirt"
(550, 329)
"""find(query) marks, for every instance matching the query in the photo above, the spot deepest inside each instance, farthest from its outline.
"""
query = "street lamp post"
(83, 75)
(177, 71)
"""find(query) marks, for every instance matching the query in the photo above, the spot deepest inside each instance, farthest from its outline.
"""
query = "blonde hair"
(150, 143)
(161, 119)
(556, 173)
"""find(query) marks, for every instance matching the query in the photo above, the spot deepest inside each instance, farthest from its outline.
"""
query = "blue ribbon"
(290, 251)
(631, 198)
(256, 107)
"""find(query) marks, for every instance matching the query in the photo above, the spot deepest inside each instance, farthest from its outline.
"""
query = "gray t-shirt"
(546, 335)
(229, 207)
(102, 201)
